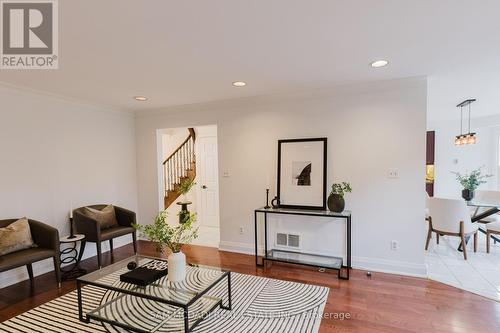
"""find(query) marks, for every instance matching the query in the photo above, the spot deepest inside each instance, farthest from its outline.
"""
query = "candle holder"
(71, 231)
(267, 199)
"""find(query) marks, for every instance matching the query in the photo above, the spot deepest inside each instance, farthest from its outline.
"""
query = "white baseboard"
(19, 274)
(363, 263)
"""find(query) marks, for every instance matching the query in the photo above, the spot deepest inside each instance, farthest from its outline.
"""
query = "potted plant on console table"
(336, 202)
(470, 182)
(173, 237)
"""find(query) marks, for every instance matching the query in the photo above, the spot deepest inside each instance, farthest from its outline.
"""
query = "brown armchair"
(47, 240)
(93, 233)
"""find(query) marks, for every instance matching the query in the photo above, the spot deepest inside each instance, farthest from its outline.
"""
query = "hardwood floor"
(382, 303)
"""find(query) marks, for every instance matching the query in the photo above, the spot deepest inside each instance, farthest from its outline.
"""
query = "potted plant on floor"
(336, 202)
(470, 182)
(164, 235)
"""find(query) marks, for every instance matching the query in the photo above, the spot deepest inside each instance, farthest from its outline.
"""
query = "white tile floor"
(479, 274)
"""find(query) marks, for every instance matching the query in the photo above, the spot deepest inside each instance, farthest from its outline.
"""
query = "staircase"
(180, 165)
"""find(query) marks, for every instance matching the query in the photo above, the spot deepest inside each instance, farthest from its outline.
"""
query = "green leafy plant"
(165, 235)
(341, 188)
(186, 185)
(471, 181)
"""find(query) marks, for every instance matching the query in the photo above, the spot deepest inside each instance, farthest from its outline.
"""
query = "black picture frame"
(320, 205)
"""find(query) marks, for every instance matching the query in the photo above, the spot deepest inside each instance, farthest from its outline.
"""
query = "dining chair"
(486, 197)
(491, 229)
(452, 218)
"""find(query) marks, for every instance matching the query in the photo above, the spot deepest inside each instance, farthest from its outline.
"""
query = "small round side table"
(69, 256)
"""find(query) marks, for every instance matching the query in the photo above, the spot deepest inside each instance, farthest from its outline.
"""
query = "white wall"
(54, 153)
(449, 157)
(371, 128)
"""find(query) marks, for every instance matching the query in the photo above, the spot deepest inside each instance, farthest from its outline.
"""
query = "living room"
(275, 110)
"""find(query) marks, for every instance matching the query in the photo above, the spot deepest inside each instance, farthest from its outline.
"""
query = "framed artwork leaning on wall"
(302, 165)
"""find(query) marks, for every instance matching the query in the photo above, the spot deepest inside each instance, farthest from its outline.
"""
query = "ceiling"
(182, 52)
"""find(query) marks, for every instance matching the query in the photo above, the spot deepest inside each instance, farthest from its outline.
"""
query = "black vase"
(468, 195)
(336, 203)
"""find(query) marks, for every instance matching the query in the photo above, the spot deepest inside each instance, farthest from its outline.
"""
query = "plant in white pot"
(173, 237)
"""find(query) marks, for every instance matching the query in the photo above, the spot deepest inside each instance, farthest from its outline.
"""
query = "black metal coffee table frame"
(185, 307)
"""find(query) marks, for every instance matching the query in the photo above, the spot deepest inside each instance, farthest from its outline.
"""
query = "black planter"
(184, 213)
(468, 195)
(336, 203)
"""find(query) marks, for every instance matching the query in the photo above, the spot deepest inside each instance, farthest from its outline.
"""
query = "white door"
(208, 181)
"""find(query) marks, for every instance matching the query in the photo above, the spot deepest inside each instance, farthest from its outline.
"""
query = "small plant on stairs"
(185, 186)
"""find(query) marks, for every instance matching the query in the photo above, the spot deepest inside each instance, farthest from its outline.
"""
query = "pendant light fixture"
(468, 138)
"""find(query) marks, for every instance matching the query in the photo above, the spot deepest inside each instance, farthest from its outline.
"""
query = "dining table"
(483, 209)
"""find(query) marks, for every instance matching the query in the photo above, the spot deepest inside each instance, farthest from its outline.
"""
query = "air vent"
(281, 239)
(287, 240)
(293, 240)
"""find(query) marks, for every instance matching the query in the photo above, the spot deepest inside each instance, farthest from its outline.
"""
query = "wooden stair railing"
(179, 166)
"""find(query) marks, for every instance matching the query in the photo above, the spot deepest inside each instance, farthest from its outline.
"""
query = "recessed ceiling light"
(140, 98)
(379, 63)
(239, 84)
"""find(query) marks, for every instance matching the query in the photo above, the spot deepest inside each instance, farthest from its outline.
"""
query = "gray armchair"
(47, 240)
(93, 233)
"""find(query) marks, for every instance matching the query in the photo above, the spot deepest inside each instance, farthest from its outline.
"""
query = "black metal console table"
(329, 262)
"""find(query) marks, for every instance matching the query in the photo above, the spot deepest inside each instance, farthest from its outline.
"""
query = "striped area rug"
(259, 305)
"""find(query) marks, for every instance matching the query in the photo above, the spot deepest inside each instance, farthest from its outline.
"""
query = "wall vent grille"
(287, 240)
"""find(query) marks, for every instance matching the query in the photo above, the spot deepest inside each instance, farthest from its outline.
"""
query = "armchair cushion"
(116, 232)
(23, 257)
(106, 217)
(15, 237)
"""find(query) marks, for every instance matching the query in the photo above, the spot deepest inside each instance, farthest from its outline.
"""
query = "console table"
(329, 262)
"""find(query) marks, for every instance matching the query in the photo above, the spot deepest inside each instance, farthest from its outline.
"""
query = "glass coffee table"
(159, 306)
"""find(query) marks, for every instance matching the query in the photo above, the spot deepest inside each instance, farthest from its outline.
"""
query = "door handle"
(203, 186)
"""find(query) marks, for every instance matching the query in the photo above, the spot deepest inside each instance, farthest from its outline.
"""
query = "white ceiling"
(180, 52)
